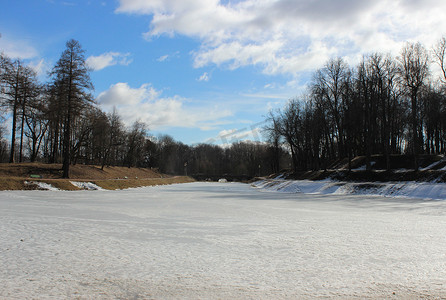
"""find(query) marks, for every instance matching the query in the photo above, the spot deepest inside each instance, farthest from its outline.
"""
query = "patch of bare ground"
(25, 176)
(133, 183)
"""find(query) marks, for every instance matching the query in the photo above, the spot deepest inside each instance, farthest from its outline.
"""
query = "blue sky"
(209, 70)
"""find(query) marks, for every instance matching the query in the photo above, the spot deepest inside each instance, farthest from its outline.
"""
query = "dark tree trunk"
(414, 130)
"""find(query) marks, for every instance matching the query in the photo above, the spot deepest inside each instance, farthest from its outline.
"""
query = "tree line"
(384, 105)
(59, 122)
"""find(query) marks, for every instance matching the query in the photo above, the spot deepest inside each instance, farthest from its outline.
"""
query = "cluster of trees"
(49, 118)
(384, 105)
(59, 122)
(241, 158)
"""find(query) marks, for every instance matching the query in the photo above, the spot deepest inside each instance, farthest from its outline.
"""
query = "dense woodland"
(384, 105)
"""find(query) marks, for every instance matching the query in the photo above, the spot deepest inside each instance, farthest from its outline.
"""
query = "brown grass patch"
(96, 173)
(134, 183)
(25, 170)
(13, 176)
(54, 171)
(13, 183)
(16, 183)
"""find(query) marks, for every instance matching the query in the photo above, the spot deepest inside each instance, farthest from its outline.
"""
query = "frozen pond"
(219, 240)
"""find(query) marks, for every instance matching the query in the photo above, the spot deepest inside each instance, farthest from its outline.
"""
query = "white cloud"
(41, 67)
(121, 94)
(108, 59)
(204, 77)
(163, 58)
(288, 36)
(230, 136)
(146, 104)
(17, 48)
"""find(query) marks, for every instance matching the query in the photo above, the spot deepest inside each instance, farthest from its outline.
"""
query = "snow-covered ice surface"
(219, 241)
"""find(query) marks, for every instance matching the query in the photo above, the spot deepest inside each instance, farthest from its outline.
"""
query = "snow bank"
(42, 185)
(424, 190)
(433, 165)
(86, 185)
(49, 187)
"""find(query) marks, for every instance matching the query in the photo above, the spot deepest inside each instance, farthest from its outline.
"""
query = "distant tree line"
(240, 158)
(384, 105)
(59, 122)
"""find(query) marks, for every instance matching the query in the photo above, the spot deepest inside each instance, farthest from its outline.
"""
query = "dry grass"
(13, 183)
(133, 183)
(95, 172)
(13, 176)
(54, 171)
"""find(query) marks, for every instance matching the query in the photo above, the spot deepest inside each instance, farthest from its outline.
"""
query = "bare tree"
(272, 131)
(71, 76)
(440, 55)
(116, 139)
(37, 125)
(30, 92)
(11, 80)
(135, 142)
(3, 144)
(18, 85)
(413, 71)
(329, 83)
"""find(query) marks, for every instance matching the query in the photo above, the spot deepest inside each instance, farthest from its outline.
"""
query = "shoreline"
(20, 183)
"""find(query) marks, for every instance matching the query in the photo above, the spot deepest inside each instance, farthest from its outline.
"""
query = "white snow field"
(219, 241)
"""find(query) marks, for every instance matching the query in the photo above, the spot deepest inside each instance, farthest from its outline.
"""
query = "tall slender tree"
(71, 75)
(11, 94)
(30, 91)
